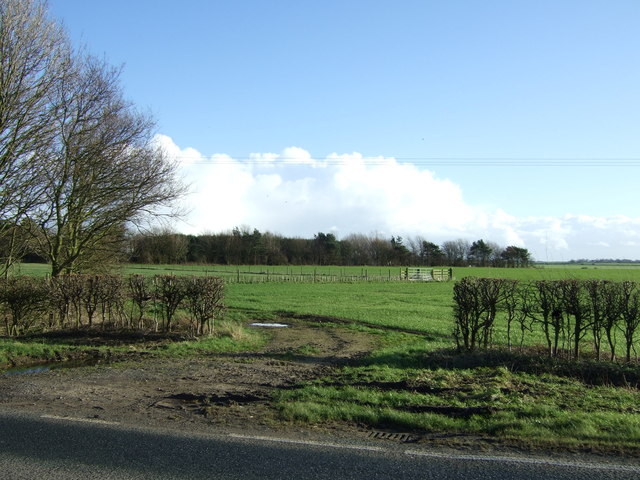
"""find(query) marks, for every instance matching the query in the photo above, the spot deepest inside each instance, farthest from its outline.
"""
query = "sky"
(512, 121)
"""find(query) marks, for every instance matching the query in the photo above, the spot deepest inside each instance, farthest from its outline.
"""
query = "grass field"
(414, 381)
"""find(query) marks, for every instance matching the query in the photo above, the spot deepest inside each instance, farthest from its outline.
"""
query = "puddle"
(269, 325)
(45, 367)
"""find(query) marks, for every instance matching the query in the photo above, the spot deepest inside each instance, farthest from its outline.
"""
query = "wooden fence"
(423, 274)
(263, 274)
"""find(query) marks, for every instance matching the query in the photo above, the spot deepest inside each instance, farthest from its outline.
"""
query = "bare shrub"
(204, 300)
(576, 305)
(111, 297)
(91, 295)
(566, 311)
(63, 293)
(24, 299)
(511, 302)
(629, 314)
(141, 295)
(549, 312)
(170, 291)
(611, 310)
(476, 305)
(597, 294)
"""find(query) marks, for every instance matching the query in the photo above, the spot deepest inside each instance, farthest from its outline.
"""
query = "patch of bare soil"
(231, 391)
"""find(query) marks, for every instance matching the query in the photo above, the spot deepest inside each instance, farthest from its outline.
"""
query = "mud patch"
(232, 390)
(190, 401)
(45, 367)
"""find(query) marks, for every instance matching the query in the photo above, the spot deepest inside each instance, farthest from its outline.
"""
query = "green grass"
(415, 306)
(413, 381)
(229, 339)
(34, 269)
(37, 350)
(540, 409)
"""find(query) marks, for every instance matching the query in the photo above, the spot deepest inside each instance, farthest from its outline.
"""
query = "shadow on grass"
(97, 336)
(320, 319)
(591, 372)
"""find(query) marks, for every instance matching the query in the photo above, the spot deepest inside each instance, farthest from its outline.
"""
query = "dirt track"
(226, 391)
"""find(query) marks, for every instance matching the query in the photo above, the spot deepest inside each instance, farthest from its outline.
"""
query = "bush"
(565, 311)
(83, 300)
(24, 300)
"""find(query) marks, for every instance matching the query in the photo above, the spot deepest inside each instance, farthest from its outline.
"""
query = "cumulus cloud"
(294, 194)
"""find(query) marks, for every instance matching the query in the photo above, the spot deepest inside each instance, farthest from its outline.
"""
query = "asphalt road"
(56, 448)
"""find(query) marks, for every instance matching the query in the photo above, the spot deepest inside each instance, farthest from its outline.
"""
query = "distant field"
(616, 272)
(384, 301)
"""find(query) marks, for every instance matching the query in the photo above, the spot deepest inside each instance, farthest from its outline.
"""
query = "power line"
(220, 159)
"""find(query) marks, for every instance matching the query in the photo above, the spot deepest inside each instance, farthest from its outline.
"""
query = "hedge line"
(136, 302)
(568, 314)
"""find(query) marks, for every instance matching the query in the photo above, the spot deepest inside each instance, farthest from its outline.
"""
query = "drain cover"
(397, 437)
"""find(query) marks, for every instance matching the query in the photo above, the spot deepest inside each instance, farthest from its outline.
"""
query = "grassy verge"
(414, 384)
(230, 337)
(403, 389)
(87, 344)
(14, 351)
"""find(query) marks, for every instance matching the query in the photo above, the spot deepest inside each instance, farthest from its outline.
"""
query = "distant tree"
(456, 251)
(516, 256)
(160, 246)
(380, 251)
(479, 253)
(431, 254)
(325, 249)
(495, 258)
(270, 249)
(297, 251)
(400, 253)
(358, 250)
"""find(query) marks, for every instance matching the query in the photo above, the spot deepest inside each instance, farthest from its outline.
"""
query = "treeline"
(566, 313)
(136, 302)
(252, 247)
(584, 261)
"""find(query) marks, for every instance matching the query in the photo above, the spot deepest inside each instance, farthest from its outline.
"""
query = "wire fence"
(262, 274)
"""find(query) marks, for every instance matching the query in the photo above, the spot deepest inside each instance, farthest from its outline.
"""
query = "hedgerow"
(567, 313)
(111, 301)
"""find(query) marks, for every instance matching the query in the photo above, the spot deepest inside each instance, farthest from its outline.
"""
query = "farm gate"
(422, 274)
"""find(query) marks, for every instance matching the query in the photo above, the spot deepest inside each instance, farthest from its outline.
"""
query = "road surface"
(78, 448)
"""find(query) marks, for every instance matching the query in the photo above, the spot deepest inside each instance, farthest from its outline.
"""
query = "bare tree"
(32, 49)
(105, 173)
(456, 251)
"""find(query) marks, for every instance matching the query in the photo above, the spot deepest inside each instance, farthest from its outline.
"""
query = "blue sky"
(396, 113)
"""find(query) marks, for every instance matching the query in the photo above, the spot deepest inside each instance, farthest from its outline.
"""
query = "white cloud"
(294, 194)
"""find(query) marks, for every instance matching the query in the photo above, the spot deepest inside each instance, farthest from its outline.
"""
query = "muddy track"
(232, 390)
